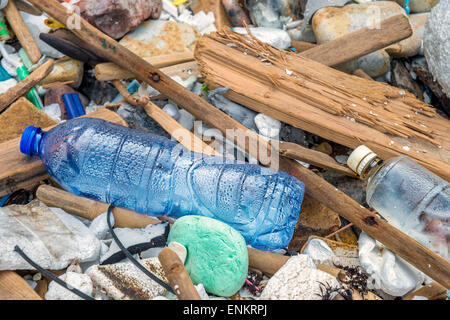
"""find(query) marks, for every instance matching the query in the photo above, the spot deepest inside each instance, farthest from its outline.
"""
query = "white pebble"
(267, 126)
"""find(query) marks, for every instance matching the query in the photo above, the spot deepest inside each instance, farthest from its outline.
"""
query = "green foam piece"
(217, 254)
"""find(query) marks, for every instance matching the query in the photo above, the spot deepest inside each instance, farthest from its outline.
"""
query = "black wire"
(130, 256)
(51, 275)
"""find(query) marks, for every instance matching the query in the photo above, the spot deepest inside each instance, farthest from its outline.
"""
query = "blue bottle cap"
(73, 105)
(29, 143)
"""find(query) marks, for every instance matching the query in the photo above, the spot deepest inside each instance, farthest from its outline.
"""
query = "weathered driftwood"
(14, 287)
(346, 109)
(20, 171)
(177, 275)
(21, 30)
(406, 247)
(316, 158)
(110, 71)
(25, 85)
(90, 209)
(361, 42)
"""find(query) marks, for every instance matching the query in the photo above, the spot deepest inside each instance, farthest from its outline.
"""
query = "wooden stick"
(184, 70)
(21, 30)
(19, 171)
(432, 291)
(361, 42)
(269, 263)
(189, 140)
(28, 8)
(302, 46)
(418, 255)
(24, 86)
(110, 71)
(90, 209)
(337, 231)
(177, 275)
(316, 158)
(14, 287)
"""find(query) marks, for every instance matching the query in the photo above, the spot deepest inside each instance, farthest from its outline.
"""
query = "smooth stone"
(217, 254)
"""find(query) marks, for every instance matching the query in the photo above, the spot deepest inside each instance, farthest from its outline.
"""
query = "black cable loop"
(51, 275)
(130, 256)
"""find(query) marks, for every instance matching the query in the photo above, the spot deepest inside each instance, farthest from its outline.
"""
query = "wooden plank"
(25, 85)
(21, 30)
(110, 71)
(342, 108)
(14, 287)
(19, 171)
(361, 42)
(413, 252)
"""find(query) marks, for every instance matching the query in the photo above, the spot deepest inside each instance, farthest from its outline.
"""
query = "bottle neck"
(31, 141)
(371, 168)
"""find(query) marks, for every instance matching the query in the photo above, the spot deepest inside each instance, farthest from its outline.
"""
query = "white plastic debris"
(168, 7)
(318, 250)
(79, 281)
(36, 25)
(298, 280)
(138, 238)
(12, 62)
(53, 111)
(388, 272)
(204, 23)
(7, 84)
(275, 37)
(49, 236)
(99, 225)
(267, 126)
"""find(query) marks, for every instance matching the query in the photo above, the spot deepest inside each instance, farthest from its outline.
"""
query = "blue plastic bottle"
(152, 175)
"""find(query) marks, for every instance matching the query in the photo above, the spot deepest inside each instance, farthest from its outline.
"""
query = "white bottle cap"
(359, 158)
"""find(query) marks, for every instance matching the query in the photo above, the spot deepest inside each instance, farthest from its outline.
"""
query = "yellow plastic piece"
(54, 24)
(178, 2)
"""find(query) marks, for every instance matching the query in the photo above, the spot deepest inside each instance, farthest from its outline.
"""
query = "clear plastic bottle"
(408, 196)
(152, 175)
